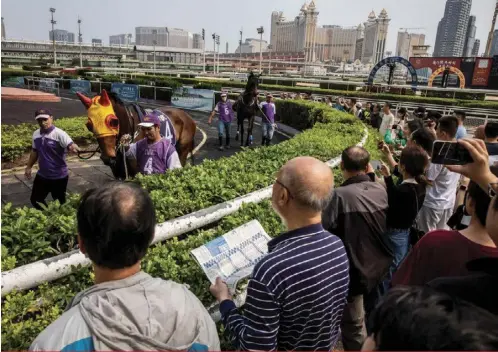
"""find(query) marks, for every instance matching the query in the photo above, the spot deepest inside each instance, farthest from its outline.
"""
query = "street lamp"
(52, 10)
(269, 64)
(214, 52)
(260, 32)
(203, 51)
(80, 39)
(240, 51)
(154, 43)
(345, 52)
(218, 53)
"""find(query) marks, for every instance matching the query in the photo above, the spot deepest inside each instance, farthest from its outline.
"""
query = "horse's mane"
(117, 99)
(252, 82)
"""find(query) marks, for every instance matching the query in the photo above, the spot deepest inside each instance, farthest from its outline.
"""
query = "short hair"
(415, 124)
(422, 319)
(415, 160)
(308, 197)
(388, 105)
(491, 129)
(424, 138)
(448, 124)
(116, 223)
(355, 159)
(481, 200)
(461, 114)
(402, 111)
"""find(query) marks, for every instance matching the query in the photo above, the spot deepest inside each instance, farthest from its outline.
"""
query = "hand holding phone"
(450, 153)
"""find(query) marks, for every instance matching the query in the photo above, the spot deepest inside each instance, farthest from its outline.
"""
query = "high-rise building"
(374, 44)
(470, 37)
(148, 35)
(406, 42)
(3, 30)
(475, 48)
(298, 34)
(198, 42)
(337, 43)
(359, 49)
(494, 44)
(452, 29)
(251, 45)
(120, 39)
(96, 41)
(61, 35)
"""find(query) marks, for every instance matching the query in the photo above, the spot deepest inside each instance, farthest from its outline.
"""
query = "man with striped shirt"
(297, 292)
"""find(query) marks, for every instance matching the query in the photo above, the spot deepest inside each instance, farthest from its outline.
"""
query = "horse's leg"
(250, 125)
(241, 124)
(238, 130)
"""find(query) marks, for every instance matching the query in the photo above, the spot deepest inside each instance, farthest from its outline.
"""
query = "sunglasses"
(285, 187)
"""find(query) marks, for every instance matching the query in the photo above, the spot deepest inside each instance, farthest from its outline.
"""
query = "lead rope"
(122, 147)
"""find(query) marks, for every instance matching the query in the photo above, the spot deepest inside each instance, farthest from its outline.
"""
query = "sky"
(30, 19)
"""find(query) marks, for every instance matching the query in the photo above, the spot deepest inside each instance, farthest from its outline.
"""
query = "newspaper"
(233, 255)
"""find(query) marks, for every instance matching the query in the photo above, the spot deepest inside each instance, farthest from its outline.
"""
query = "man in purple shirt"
(268, 121)
(153, 154)
(50, 145)
(225, 110)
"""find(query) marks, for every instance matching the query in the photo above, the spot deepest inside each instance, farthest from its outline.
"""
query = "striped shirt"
(295, 296)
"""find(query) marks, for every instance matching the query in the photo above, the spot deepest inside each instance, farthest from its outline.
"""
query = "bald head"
(355, 159)
(309, 181)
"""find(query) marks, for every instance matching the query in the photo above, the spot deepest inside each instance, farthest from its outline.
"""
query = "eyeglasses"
(284, 187)
(492, 189)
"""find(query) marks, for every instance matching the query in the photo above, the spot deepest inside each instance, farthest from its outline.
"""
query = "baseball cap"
(150, 120)
(223, 95)
(42, 114)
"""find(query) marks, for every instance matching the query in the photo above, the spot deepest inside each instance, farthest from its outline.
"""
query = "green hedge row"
(17, 139)
(28, 234)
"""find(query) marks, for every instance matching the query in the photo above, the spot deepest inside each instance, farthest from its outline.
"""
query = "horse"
(246, 107)
(109, 118)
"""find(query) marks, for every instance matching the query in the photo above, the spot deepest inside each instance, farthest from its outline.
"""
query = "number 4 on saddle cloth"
(167, 130)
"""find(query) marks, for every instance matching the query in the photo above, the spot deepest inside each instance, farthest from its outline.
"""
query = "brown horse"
(109, 118)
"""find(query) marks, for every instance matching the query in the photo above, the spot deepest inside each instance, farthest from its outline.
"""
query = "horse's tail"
(192, 149)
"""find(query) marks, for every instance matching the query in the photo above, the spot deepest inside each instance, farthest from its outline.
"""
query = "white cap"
(223, 95)
(42, 116)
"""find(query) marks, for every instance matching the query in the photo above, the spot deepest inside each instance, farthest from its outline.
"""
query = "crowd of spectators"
(387, 260)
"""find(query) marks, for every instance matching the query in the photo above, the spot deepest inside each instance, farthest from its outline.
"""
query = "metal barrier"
(43, 84)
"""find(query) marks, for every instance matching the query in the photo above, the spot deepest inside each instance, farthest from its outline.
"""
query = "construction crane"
(491, 32)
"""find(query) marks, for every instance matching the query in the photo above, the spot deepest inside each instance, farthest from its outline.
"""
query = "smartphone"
(450, 153)
(380, 145)
(395, 127)
(375, 164)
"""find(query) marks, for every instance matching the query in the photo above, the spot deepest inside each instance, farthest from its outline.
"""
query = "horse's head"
(252, 84)
(104, 124)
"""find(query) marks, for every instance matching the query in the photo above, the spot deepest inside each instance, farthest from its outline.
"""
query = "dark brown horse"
(109, 118)
(246, 107)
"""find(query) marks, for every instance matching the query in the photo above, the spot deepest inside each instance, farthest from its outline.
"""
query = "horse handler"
(268, 122)
(153, 154)
(49, 148)
(225, 110)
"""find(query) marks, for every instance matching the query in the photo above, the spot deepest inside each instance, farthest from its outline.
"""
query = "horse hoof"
(237, 137)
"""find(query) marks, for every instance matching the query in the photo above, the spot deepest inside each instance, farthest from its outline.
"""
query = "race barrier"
(50, 269)
(126, 92)
(80, 86)
(193, 99)
(14, 82)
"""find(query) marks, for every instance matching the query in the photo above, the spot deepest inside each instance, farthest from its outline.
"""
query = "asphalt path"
(16, 112)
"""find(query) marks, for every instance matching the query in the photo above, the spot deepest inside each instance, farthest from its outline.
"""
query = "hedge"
(17, 139)
(29, 234)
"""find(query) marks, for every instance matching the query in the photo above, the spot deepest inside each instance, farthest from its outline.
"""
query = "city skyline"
(221, 18)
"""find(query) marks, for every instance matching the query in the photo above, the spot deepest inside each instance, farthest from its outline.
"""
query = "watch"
(463, 188)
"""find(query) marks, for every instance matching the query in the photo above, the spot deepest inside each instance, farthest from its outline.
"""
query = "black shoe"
(264, 141)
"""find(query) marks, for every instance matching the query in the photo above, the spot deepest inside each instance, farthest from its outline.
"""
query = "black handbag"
(415, 233)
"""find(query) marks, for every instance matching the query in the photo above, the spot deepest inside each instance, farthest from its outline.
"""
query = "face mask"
(224, 98)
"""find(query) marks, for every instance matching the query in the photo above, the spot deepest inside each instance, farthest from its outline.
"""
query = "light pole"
(269, 64)
(52, 10)
(80, 39)
(345, 52)
(154, 43)
(240, 51)
(214, 53)
(260, 32)
(218, 53)
(203, 51)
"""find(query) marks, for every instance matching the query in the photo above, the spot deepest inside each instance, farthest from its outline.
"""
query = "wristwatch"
(463, 188)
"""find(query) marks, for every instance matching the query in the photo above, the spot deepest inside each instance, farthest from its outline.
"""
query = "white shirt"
(387, 123)
(442, 194)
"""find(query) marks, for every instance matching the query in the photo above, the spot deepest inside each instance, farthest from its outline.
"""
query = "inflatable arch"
(392, 60)
(452, 69)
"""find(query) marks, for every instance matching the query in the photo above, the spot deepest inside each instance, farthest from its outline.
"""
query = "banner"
(425, 66)
(15, 82)
(127, 92)
(482, 70)
(81, 86)
(48, 84)
(194, 99)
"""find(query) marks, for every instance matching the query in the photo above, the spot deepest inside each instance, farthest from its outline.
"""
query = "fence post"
(155, 98)
(100, 87)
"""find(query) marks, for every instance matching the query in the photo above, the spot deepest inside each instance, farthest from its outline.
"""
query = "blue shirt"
(296, 295)
(461, 132)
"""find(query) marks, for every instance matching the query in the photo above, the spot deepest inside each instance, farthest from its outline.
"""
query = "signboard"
(81, 86)
(47, 84)
(233, 255)
(16, 82)
(126, 92)
(482, 70)
(425, 66)
(194, 99)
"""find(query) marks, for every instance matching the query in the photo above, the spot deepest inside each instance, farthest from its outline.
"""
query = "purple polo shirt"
(225, 110)
(269, 110)
(51, 146)
(154, 158)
